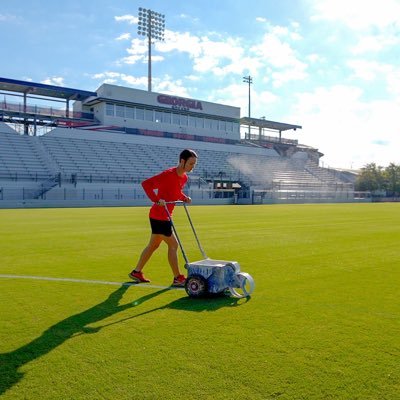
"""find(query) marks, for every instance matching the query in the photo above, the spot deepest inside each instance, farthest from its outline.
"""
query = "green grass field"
(322, 323)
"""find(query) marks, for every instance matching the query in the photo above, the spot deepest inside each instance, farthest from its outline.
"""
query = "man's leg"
(148, 251)
(172, 253)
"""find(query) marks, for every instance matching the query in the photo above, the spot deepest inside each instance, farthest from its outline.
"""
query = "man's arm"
(150, 185)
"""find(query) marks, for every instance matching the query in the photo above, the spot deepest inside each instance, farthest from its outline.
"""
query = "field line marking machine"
(209, 276)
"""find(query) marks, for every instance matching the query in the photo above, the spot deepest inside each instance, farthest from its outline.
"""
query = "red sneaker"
(179, 281)
(138, 277)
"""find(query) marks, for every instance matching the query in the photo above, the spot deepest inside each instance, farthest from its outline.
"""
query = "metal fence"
(70, 193)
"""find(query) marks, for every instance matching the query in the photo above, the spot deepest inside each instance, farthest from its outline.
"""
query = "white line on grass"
(47, 278)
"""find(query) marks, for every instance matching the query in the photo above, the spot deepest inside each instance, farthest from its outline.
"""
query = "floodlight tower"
(152, 25)
(249, 80)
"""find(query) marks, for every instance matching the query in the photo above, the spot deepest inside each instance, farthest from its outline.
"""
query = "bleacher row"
(112, 157)
(19, 156)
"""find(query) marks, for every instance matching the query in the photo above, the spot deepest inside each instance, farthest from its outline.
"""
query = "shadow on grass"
(209, 303)
(78, 324)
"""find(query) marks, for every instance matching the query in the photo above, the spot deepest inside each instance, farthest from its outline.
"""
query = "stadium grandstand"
(62, 147)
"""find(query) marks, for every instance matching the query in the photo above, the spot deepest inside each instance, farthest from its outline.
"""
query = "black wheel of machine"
(196, 286)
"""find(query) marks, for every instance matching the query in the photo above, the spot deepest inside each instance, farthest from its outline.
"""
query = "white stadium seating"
(71, 164)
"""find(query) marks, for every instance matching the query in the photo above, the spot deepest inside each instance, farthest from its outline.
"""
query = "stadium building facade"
(121, 107)
(97, 148)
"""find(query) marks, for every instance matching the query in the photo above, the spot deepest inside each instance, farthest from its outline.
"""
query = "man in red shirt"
(161, 189)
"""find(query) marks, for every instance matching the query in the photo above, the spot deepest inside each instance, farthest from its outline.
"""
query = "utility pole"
(249, 80)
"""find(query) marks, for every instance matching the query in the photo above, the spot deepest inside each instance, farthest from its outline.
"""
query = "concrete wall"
(97, 203)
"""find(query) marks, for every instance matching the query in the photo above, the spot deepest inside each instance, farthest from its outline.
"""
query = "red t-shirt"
(168, 186)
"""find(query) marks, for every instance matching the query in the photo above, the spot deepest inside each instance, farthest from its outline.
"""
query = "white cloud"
(233, 95)
(375, 24)
(254, 67)
(104, 75)
(281, 57)
(375, 43)
(181, 42)
(55, 80)
(8, 18)
(192, 78)
(279, 30)
(359, 14)
(216, 53)
(237, 95)
(117, 77)
(131, 19)
(296, 73)
(369, 70)
(134, 81)
(226, 56)
(166, 84)
(315, 58)
(372, 27)
(188, 17)
(291, 31)
(137, 52)
(260, 103)
(124, 36)
(375, 71)
(275, 51)
(217, 56)
(169, 85)
(350, 131)
(368, 44)
(393, 83)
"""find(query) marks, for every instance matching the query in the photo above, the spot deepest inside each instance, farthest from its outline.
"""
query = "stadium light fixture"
(152, 25)
(249, 80)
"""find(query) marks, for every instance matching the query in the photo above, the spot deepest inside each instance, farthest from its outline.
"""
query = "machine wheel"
(196, 286)
(246, 285)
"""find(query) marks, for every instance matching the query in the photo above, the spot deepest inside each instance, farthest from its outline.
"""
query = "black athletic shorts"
(159, 227)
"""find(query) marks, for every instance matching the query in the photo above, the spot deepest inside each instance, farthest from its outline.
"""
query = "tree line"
(379, 180)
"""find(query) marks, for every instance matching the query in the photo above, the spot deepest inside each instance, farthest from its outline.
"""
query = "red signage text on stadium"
(178, 103)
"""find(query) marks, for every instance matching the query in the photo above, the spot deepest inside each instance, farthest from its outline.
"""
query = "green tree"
(392, 179)
(371, 178)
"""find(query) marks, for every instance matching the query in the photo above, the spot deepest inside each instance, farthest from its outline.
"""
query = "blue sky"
(332, 66)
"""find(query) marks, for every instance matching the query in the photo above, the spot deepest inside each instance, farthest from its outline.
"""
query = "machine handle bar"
(191, 224)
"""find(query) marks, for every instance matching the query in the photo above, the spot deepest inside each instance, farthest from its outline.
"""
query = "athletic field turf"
(322, 323)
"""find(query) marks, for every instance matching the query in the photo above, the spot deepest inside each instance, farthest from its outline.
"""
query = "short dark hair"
(186, 154)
